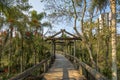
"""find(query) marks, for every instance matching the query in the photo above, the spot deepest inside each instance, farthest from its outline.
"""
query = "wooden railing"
(45, 64)
(87, 71)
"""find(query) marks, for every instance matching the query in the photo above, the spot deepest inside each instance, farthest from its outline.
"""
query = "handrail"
(29, 71)
(91, 71)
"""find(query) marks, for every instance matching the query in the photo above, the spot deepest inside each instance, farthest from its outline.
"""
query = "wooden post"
(51, 49)
(52, 52)
(70, 49)
(74, 54)
(80, 69)
(47, 65)
(54, 48)
(49, 62)
(74, 48)
(44, 67)
(67, 48)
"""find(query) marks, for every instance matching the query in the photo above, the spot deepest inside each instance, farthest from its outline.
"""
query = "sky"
(39, 7)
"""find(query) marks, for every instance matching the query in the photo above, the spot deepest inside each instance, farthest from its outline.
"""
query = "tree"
(36, 24)
(12, 11)
(113, 39)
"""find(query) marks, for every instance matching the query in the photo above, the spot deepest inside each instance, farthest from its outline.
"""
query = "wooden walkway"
(62, 69)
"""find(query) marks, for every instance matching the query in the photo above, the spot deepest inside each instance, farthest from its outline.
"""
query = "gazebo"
(66, 39)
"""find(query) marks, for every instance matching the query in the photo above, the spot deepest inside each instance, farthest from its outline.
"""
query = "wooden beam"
(61, 38)
(55, 34)
(77, 38)
(70, 34)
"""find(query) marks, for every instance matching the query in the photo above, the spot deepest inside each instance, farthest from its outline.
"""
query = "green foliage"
(36, 16)
(101, 5)
(118, 56)
(27, 47)
(64, 36)
(107, 72)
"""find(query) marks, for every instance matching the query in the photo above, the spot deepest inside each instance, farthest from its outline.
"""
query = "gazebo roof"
(64, 36)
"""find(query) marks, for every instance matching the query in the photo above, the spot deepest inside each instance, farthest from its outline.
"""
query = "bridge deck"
(62, 69)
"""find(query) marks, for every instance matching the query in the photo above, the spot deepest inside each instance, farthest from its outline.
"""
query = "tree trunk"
(83, 36)
(89, 47)
(113, 39)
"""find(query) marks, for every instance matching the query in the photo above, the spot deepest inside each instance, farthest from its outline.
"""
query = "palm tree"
(13, 14)
(5, 10)
(38, 26)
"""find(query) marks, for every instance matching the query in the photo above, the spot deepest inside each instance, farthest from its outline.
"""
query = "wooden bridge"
(60, 66)
(61, 69)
